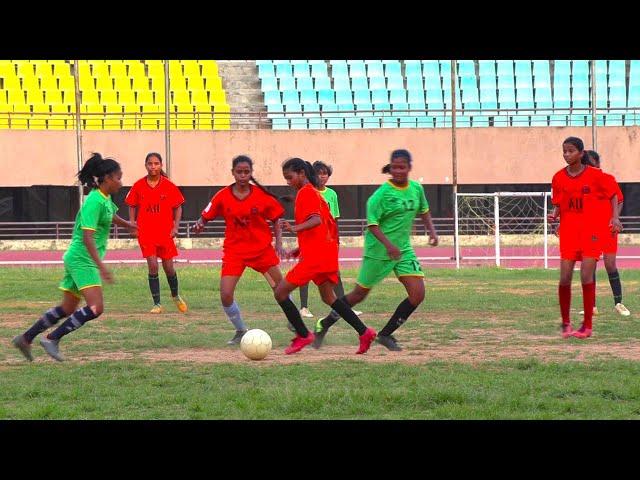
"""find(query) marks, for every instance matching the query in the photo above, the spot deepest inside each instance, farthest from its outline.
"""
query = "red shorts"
(303, 273)
(609, 242)
(165, 249)
(234, 265)
(575, 248)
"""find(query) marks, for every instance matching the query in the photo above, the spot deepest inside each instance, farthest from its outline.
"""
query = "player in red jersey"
(246, 208)
(575, 190)
(155, 205)
(317, 234)
(609, 240)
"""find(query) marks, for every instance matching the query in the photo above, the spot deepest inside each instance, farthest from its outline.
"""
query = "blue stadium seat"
(617, 73)
(343, 96)
(543, 98)
(618, 97)
(634, 73)
(371, 122)
(326, 96)
(501, 121)
(280, 124)
(435, 105)
(268, 84)
(375, 68)
(466, 68)
(286, 83)
(310, 109)
(308, 96)
(407, 121)
(602, 95)
(421, 106)
(301, 70)
(322, 83)
(580, 68)
(480, 121)
(539, 120)
(377, 82)
(284, 70)
(520, 120)
(335, 123)
(362, 96)
(316, 123)
(395, 83)
(398, 95)
(319, 70)
(271, 97)
(304, 83)
(382, 108)
(562, 68)
(266, 70)
(577, 120)
(341, 83)
(380, 95)
(389, 122)
(442, 121)
(463, 121)
(413, 68)
(580, 97)
(415, 83)
(290, 96)
(558, 120)
(393, 69)
(541, 76)
(359, 83)
(298, 123)
(425, 122)
(506, 98)
(357, 69)
(339, 69)
(400, 106)
(523, 68)
(487, 68)
(329, 107)
(415, 96)
(292, 108)
(634, 96)
(431, 69)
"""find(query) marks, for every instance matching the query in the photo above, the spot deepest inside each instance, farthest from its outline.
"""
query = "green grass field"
(484, 345)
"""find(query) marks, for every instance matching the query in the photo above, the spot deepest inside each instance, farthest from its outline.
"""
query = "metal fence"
(215, 229)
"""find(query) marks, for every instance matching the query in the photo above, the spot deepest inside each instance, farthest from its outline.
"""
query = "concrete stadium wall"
(485, 155)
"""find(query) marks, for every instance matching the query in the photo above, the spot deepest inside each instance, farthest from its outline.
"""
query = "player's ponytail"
(386, 168)
(299, 165)
(94, 170)
(159, 157)
(593, 158)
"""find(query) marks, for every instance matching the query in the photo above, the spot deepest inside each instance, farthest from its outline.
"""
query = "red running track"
(628, 257)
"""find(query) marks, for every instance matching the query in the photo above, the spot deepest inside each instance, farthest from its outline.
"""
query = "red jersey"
(155, 207)
(247, 232)
(318, 244)
(603, 204)
(577, 198)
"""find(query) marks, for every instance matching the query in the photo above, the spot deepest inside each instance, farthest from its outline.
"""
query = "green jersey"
(331, 197)
(96, 214)
(393, 209)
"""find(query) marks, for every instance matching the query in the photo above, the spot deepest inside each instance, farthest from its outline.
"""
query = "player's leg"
(232, 311)
(367, 335)
(172, 280)
(297, 276)
(92, 310)
(587, 267)
(69, 304)
(339, 289)
(616, 284)
(564, 294)
(304, 301)
(154, 282)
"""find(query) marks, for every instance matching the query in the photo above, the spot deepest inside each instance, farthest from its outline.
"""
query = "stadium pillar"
(594, 130)
(167, 116)
(76, 84)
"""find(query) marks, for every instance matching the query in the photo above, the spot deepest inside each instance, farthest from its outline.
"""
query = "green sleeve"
(423, 206)
(90, 215)
(336, 206)
(375, 208)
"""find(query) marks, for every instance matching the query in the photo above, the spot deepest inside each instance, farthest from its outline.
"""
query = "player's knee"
(416, 298)
(97, 309)
(226, 298)
(280, 294)
(153, 269)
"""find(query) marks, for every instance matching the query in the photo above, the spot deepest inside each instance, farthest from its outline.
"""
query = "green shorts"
(77, 278)
(373, 270)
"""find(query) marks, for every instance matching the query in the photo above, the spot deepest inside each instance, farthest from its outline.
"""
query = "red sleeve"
(177, 198)
(212, 210)
(555, 190)
(307, 204)
(605, 183)
(617, 187)
(132, 197)
(273, 210)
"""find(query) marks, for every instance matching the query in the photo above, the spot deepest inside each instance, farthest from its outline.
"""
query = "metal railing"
(215, 229)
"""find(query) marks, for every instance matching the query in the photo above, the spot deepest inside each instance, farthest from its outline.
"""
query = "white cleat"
(595, 311)
(622, 310)
(304, 312)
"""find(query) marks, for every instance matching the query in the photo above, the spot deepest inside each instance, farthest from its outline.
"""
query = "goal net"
(503, 228)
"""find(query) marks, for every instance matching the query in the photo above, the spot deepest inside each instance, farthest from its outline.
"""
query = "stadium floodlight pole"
(76, 84)
(594, 130)
(454, 158)
(167, 128)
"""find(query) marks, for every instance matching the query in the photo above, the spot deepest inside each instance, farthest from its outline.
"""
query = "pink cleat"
(298, 343)
(567, 330)
(366, 339)
(582, 333)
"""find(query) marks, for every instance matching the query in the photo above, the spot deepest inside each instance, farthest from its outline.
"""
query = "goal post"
(502, 228)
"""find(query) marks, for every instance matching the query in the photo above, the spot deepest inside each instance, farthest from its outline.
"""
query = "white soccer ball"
(256, 344)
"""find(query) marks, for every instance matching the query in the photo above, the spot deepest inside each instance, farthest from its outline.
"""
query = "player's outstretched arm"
(392, 250)
(430, 228)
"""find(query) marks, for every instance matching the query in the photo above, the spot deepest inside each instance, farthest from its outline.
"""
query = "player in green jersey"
(83, 266)
(323, 171)
(390, 214)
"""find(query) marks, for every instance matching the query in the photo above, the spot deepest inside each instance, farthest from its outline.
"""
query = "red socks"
(564, 293)
(589, 300)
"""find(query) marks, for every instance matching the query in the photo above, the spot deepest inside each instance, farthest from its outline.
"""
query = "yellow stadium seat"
(25, 68)
(11, 83)
(40, 117)
(99, 69)
(89, 97)
(122, 83)
(157, 83)
(62, 69)
(158, 97)
(221, 117)
(104, 83)
(213, 83)
(209, 68)
(222, 108)
(63, 120)
(65, 83)
(184, 118)
(177, 83)
(204, 117)
(35, 97)
(140, 83)
(4, 119)
(199, 97)
(68, 96)
(117, 68)
(175, 68)
(144, 97)
(126, 97)
(180, 97)
(30, 83)
(113, 119)
(131, 119)
(44, 69)
(87, 82)
(217, 97)
(155, 68)
(136, 69)
(7, 67)
(16, 96)
(108, 97)
(19, 119)
(150, 117)
(91, 120)
(53, 97)
(3, 97)
(48, 83)
(84, 69)
(195, 83)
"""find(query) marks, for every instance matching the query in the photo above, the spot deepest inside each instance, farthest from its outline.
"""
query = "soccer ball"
(256, 344)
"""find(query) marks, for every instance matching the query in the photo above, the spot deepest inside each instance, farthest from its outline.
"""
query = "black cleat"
(237, 337)
(389, 341)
